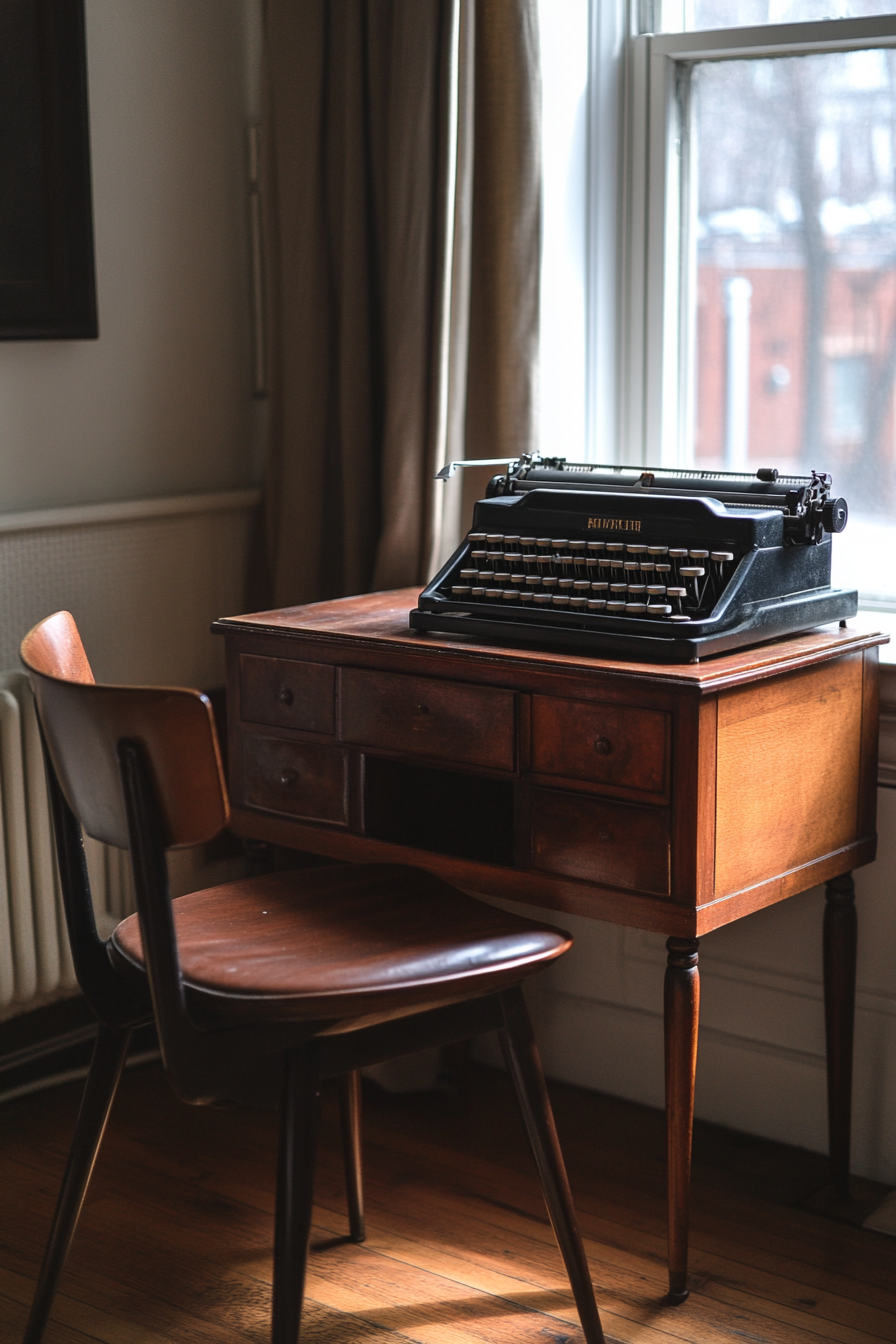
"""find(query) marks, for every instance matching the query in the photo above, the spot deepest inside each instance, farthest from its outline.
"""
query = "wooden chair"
(263, 987)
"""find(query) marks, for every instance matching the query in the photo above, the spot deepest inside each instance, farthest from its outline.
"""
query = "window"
(738, 281)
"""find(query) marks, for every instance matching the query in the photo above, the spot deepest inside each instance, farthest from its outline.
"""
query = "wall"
(160, 403)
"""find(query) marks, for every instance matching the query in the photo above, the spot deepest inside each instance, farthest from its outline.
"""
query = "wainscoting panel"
(143, 579)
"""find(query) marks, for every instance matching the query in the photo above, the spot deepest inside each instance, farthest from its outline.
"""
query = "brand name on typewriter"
(614, 524)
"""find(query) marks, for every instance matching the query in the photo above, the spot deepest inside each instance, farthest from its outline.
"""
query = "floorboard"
(174, 1244)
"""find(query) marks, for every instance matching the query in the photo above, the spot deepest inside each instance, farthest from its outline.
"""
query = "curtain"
(402, 204)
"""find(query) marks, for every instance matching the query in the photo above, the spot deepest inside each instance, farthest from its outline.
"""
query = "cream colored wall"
(160, 403)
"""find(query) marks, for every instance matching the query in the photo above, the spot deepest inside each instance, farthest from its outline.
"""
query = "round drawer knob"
(285, 696)
(288, 778)
(603, 746)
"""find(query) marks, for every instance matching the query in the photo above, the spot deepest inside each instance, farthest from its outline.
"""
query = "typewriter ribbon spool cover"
(662, 565)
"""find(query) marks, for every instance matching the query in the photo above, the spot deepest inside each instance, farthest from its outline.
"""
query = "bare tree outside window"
(796, 198)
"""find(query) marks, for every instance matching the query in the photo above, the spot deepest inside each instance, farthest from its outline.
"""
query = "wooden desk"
(672, 798)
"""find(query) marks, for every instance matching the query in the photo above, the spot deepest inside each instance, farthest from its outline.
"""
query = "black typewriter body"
(667, 566)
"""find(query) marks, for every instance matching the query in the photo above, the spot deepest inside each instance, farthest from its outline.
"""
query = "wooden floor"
(174, 1244)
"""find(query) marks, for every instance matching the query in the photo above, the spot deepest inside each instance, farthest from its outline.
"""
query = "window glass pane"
(677, 16)
(794, 304)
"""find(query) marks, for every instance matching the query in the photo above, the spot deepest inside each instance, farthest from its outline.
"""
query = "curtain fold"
(402, 205)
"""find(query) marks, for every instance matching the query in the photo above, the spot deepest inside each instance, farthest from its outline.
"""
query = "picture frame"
(47, 267)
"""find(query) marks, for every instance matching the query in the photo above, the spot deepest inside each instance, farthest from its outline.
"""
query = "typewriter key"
(493, 594)
(511, 543)
(502, 580)
(527, 597)
(699, 555)
(477, 594)
(517, 580)
(533, 581)
(461, 590)
(549, 582)
(637, 591)
(647, 567)
(479, 557)
(631, 566)
(615, 606)
(561, 600)
(527, 543)
(591, 564)
(659, 609)
(692, 571)
(596, 604)
(565, 584)
(600, 587)
(476, 538)
(495, 539)
(594, 547)
(469, 574)
(663, 569)
(616, 565)
(618, 588)
(636, 549)
(510, 595)
(676, 617)
(635, 608)
(560, 545)
(543, 543)
(580, 603)
(615, 547)
(542, 599)
(722, 557)
(581, 586)
(656, 589)
(495, 557)
(513, 559)
(486, 575)
(657, 550)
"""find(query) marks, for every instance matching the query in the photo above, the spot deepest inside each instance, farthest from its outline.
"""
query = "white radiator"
(35, 962)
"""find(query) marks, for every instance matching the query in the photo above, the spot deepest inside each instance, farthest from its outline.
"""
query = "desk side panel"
(788, 773)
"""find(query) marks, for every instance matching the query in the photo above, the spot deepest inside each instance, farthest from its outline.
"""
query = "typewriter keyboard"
(671, 583)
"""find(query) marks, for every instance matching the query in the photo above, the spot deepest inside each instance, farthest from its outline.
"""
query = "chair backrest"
(83, 724)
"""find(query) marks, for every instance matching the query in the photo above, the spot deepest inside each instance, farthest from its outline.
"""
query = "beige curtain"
(403, 228)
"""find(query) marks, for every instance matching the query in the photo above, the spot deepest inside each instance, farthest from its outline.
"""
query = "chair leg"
(524, 1065)
(109, 1054)
(350, 1117)
(299, 1116)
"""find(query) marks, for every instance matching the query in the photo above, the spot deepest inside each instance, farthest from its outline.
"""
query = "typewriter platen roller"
(659, 564)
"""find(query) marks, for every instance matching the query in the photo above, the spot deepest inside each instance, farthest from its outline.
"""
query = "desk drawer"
(611, 843)
(285, 693)
(444, 719)
(604, 744)
(301, 779)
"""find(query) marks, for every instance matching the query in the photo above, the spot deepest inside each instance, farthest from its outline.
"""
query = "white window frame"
(655, 262)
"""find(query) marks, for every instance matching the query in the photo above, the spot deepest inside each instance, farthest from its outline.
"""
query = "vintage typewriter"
(659, 564)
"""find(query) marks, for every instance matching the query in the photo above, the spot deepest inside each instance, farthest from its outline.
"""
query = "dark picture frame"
(47, 270)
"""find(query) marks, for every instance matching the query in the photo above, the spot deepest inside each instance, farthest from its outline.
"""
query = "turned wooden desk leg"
(840, 940)
(682, 1014)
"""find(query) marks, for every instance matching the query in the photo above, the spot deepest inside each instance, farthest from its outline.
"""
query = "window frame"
(657, 265)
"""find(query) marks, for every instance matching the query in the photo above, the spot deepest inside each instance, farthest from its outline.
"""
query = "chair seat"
(343, 941)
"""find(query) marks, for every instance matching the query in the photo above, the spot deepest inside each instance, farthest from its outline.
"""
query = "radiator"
(35, 961)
